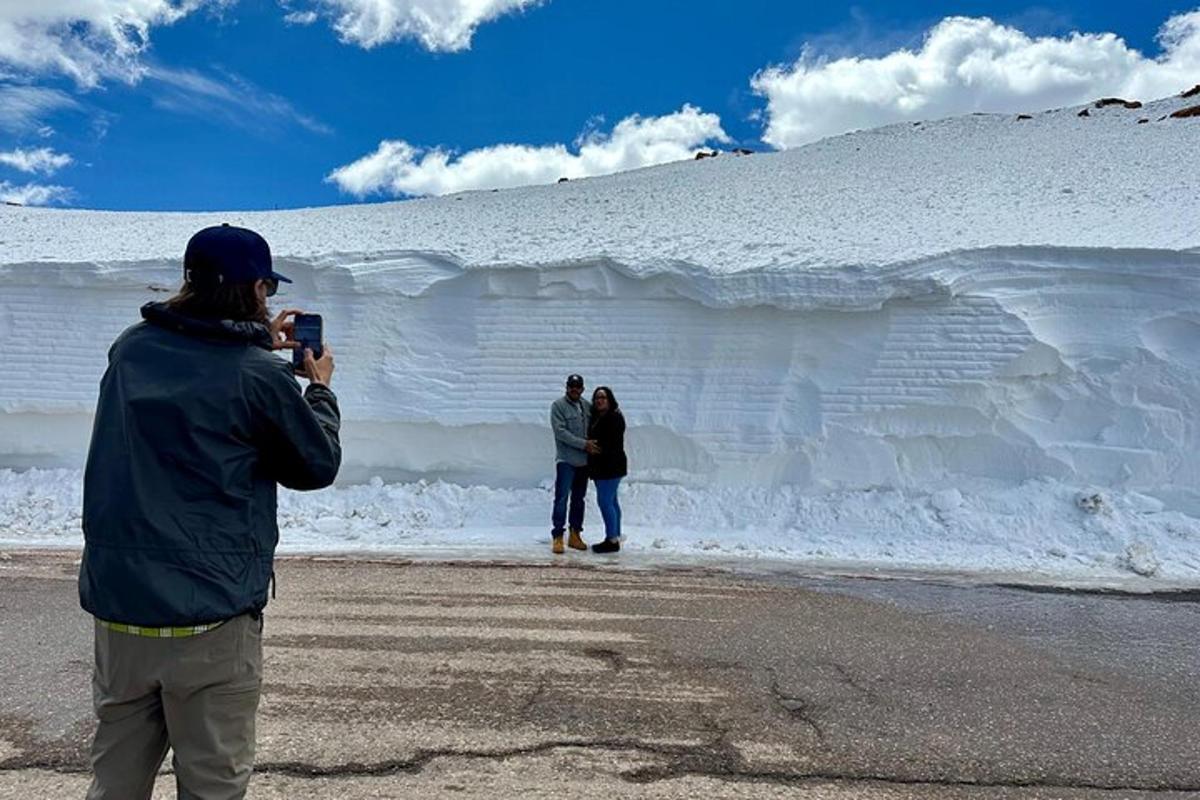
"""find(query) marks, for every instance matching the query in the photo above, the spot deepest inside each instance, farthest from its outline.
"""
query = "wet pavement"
(400, 679)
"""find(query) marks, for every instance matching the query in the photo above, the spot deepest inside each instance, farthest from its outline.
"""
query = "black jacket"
(196, 423)
(609, 432)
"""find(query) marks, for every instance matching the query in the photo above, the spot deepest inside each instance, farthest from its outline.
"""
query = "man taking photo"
(197, 422)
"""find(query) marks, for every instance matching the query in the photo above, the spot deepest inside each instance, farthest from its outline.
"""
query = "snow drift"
(942, 314)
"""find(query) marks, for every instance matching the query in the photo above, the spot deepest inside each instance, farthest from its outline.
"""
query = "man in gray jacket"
(569, 418)
(197, 423)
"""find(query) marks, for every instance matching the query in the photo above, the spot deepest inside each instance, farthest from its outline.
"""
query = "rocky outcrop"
(1117, 101)
(1190, 111)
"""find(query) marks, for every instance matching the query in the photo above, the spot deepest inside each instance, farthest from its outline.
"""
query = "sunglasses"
(272, 286)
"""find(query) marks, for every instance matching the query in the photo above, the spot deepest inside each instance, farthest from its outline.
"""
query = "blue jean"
(569, 482)
(610, 507)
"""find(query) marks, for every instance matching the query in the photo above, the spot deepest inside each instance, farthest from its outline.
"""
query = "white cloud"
(22, 108)
(32, 194)
(43, 160)
(300, 17)
(399, 168)
(85, 40)
(439, 25)
(229, 98)
(971, 64)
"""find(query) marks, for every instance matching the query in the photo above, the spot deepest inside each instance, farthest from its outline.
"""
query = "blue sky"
(231, 106)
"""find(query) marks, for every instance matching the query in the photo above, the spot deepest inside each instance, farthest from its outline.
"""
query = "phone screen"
(308, 332)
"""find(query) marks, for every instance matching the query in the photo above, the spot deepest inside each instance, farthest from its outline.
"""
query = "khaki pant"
(197, 694)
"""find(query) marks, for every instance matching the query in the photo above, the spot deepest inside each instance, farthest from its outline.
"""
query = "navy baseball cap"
(574, 380)
(228, 254)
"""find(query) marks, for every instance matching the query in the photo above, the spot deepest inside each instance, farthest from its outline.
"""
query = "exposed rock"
(1085, 113)
(1143, 121)
(563, 180)
(706, 154)
(742, 151)
(1190, 111)
(1024, 116)
(1192, 92)
(1117, 101)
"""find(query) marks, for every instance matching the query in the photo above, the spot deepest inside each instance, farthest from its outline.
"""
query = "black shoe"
(607, 546)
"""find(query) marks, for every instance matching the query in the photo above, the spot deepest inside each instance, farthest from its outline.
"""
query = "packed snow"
(968, 344)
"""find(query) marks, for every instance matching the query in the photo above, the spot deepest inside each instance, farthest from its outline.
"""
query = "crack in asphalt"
(717, 759)
(848, 678)
(535, 696)
(615, 659)
(796, 706)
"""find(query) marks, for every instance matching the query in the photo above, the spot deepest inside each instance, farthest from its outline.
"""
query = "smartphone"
(308, 330)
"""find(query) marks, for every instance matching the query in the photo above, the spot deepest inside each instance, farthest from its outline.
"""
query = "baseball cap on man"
(228, 254)
(574, 380)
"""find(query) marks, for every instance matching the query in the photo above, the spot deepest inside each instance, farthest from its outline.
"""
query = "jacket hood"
(224, 330)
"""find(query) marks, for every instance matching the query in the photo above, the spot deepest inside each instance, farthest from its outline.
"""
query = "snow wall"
(973, 369)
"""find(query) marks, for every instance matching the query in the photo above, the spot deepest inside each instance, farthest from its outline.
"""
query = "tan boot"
(556, 545)
(575, 541)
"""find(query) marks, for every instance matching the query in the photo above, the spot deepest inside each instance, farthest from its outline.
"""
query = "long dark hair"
(236, 301)
(613, 405)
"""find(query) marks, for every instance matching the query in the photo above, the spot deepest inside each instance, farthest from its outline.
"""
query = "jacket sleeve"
(558, 422)
(297, 432)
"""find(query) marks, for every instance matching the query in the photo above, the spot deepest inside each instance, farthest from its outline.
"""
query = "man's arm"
(558, 422)
(298, 432)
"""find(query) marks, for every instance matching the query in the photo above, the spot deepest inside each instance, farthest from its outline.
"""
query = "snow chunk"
(1139, 557)
(946, 500)
(1092, 501)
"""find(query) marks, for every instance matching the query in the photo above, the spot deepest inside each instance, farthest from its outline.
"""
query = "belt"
(178, 632)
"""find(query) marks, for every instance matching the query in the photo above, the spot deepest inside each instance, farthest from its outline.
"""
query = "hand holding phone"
(319, 371)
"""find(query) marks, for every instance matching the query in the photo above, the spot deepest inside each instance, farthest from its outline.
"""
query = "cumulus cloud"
(439, 25)
(971, 64)
(32, 194)
(85, 40)
(399, 168)
(41, 160)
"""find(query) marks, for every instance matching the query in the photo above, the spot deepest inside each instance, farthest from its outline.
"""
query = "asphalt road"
(395, 679)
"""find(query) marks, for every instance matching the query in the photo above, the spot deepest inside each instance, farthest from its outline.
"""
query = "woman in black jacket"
(609, 465)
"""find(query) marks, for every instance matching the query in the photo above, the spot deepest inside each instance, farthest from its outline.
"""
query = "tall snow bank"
(960, 308)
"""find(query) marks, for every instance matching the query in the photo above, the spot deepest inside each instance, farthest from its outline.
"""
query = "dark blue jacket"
(196, 424)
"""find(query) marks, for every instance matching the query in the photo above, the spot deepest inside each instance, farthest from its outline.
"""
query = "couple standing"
(589, 440)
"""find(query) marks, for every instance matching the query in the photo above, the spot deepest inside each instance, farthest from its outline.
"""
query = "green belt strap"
(160, 633)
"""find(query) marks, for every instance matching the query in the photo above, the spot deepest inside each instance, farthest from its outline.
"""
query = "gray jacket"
(569, 421)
